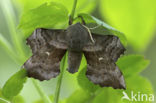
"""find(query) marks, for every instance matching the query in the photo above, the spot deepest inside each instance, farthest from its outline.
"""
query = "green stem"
(40, 91)
(73, 10)
(59, 82)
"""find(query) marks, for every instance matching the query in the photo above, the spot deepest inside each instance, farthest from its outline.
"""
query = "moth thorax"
(77, 37)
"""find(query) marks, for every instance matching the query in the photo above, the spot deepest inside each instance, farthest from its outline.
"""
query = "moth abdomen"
(74, 60)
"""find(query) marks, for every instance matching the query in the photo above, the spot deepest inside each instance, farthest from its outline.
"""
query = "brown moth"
(101, 52)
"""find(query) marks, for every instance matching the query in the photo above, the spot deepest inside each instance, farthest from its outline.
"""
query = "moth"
(101, 52)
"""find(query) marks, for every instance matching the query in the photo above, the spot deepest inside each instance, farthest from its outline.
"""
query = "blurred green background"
(136, 18)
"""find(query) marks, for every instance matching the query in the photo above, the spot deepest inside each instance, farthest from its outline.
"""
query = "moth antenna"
(70, 20)
(95, 27)
(89, 33)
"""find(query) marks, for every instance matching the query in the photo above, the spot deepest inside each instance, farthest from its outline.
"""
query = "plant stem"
(40, 91)
(59, 82)
(73, 10)
(10, 16)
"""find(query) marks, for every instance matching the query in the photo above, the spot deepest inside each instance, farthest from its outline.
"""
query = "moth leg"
(70, 20)
(74, 60)
(83, 21)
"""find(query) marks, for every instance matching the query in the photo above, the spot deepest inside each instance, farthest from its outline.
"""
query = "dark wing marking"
(74, 60)
(101, 58)
(47, 51)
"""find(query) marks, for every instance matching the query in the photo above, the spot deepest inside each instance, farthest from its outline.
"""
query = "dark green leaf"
(2, 100)
(102, 27)
(48, 15)
(15, 84)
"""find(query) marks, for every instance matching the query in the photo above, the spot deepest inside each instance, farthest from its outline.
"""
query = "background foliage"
(136, 18)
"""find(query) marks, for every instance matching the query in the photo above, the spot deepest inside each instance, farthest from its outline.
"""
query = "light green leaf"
(136, 18)
(85, 83)
(102, 27)
(135, 84)
(15, 84)
(26, 5)
(108, 95)
(79, 96)
(18, 99)
(48, 15)
(82, 5)
(41, 100)
(132, 64)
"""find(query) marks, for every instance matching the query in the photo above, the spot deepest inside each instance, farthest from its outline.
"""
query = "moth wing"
(41, 37)
(47, 51)
(101, 57)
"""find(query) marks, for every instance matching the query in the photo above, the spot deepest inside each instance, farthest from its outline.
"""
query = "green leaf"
(132, 64)
(102, 27)
(85, 83)
(41, 100)
(1, 97)
(18, 99)
(79, 96)
(26, 5)
(135, 84)
(108, 95)
(48, 15)
(138, 83)
(4, 101)
(136, 18)
(0, 92)
(14, 84)
(82, 5)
